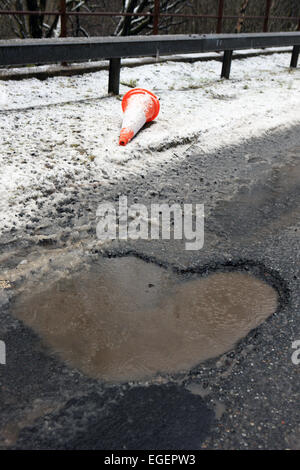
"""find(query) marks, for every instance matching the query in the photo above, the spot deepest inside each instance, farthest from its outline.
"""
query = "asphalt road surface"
(246, 399)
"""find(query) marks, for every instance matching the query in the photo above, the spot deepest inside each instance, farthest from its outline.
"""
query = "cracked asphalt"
(246, 399)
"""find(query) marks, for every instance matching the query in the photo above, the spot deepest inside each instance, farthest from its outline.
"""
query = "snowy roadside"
(64, 131)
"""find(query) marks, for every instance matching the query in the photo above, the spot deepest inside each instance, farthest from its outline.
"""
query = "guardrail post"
(295, 57)
(226, 66)
(63, 19)
(114, 76)
(156, 16)
(220, 16)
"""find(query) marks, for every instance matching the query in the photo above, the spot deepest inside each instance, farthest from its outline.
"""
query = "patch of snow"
(64, 131)
(3, 97)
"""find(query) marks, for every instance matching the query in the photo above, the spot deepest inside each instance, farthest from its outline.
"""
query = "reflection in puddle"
(127, 319)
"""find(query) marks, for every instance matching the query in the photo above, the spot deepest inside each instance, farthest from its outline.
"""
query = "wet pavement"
(245, 398)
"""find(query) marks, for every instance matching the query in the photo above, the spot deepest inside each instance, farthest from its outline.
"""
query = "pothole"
(127, 319)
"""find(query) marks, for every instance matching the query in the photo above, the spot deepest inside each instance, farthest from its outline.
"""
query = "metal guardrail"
(44, 51)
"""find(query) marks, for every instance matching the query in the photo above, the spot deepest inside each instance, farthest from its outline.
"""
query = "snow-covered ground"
(64, 130)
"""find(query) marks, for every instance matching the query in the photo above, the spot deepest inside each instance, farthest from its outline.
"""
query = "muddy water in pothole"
(127, 319)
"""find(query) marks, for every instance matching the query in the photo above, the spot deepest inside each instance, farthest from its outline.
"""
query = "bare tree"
(38, 25)
(130, 25)
(286, 8)
(42, 25)
(242, 14)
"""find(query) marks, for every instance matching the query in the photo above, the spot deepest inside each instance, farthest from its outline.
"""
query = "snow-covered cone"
(139, 106)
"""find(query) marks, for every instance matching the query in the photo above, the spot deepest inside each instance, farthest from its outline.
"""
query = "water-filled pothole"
(128, 319)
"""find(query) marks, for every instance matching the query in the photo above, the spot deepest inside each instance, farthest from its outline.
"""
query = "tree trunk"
(35, 22)
(128, 19)
(241, 19)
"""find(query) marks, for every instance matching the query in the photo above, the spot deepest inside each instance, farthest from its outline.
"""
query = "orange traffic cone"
(139, 106)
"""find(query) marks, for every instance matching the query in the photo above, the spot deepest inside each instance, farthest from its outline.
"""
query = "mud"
(126, 319)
